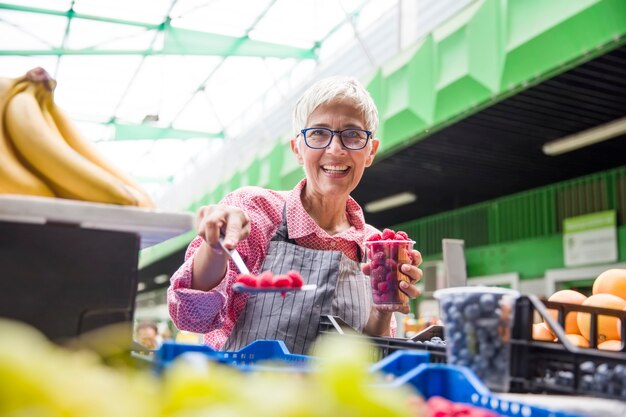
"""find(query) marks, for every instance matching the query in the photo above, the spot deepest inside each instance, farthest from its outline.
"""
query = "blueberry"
(487, 303)
(464, 354)
(501, 366)
(604, 370)
(565, 378)
(487, 350)
(481, 362)
(587, 367)
(471, 312)
(456, 316)
(459, 302)
(587, 382)
(462, 362)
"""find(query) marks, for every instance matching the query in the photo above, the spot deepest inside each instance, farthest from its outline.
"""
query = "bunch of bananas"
(42, 152)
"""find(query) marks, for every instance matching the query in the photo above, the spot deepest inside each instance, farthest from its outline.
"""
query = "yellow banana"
(68, 173)
(5, 85)
(14, 177)
(87, 149)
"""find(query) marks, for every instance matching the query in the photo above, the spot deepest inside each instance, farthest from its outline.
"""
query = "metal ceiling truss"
(177, 41)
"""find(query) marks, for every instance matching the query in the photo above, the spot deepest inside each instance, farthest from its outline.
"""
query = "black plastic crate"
(536, 366)
(560, 367)
(384, 346)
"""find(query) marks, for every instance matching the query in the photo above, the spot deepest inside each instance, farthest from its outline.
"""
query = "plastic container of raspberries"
(385, 254)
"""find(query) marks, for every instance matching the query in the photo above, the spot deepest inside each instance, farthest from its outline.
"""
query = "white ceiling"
(105, 59)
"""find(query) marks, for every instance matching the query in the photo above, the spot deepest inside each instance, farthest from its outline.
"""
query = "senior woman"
(316, 229)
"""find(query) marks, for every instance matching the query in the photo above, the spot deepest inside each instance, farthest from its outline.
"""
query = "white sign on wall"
(590, 239)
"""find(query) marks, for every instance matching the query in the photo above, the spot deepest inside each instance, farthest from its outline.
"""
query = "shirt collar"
(300, 223)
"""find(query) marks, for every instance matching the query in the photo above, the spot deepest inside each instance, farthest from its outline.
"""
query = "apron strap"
(282, 234)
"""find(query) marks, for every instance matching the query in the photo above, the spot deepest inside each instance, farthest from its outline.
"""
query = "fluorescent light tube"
(390, 202)
(586, 137)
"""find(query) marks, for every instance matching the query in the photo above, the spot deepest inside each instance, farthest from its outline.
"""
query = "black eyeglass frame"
(339, 133)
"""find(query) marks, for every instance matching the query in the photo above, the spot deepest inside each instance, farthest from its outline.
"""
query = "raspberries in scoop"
(267, 279)
(248, 280)
(296, 279)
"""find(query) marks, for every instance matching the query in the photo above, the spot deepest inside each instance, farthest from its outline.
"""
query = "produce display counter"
(67, 266)
(553, 375)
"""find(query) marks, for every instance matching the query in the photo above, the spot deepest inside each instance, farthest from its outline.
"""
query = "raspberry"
(401, 236)
(247, 280)
(383, 286)
(388, 234)
(391, 276)
(374, 237)
(393, 251)
(391, 264)
(378, 258)
(375, 247)
(378, 273)
(296, 279)
(266, 279)
(281, 281)
(439, 406)
(385, 297)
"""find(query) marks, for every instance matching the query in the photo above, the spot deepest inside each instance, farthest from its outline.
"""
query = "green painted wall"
(530, 257)
(522, 232)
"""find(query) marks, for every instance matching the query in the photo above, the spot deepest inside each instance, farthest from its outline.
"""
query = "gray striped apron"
(342, 290)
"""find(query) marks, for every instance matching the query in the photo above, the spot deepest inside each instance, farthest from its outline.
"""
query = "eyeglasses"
(320, 137)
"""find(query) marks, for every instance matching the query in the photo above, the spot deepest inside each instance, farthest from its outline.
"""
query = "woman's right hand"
(210, 261)
(216, 220)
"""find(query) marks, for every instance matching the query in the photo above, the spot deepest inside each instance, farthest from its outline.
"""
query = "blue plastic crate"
(249, 357)
(400, 362)
(461, 385)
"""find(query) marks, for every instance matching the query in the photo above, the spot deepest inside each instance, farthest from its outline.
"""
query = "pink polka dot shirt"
(214, 313)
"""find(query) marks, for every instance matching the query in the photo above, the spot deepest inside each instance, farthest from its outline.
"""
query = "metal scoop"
(236, 257)
(241, 266)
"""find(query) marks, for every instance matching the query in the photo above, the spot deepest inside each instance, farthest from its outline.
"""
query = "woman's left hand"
(414, 273)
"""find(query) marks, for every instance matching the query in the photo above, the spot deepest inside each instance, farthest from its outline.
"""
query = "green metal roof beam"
(259, 51)
(177, 41)
(129, 131)
(71, 14)
(192, 42)
(186, 42)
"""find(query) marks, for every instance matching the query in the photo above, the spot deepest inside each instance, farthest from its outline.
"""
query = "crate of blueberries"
(483, 338)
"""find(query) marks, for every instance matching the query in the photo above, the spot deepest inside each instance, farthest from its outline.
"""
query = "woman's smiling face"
(334, 171)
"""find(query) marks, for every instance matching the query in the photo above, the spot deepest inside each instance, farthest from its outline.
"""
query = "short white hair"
(332, 89)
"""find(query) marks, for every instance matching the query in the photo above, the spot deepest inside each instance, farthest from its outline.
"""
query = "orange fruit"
(542, 332)
(610, 345)
(612, 281)
(607, 325)
(570, 297)
(578, 340)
